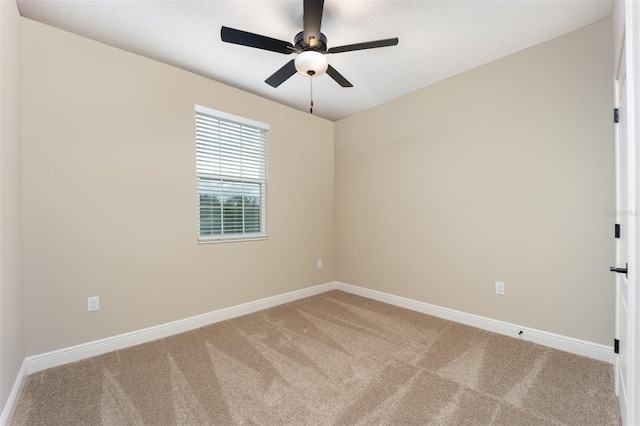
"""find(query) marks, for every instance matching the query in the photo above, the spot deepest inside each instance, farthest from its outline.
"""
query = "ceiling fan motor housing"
(302, 44)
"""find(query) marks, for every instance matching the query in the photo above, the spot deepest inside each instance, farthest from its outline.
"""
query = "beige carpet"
(330, 359)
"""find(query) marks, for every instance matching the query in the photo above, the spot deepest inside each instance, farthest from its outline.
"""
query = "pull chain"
(311, 94)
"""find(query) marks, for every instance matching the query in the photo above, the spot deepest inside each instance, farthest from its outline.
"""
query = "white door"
(625, 249)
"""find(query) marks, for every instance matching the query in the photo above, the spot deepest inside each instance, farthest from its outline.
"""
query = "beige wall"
(11, 291)
(109, 194)
(502, 173)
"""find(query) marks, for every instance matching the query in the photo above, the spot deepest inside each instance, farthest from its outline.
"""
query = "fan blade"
(338, 77)
(365, 45)
(243, 38)
(312, 19)
(282, 74)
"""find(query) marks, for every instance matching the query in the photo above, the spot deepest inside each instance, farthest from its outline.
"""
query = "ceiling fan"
(310, 45)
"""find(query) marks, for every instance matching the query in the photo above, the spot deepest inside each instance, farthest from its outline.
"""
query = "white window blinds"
(231, 157)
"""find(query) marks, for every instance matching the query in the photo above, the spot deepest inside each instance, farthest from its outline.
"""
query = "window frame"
(221, 179)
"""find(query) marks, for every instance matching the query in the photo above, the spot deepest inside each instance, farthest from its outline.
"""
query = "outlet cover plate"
(500, 288)
(93, 303)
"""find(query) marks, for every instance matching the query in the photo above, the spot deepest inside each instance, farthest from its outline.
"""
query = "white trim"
(556, 341)
(16, 390)
(233, 239)
(97, 347)
(86, 350)
(41, 362)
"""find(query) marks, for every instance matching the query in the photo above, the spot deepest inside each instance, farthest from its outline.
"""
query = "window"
(231, 154)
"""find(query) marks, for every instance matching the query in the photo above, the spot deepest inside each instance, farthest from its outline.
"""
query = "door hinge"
(616, 115)
(617, 234)
(616, 346)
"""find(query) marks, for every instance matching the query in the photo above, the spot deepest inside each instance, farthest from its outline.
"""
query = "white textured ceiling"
(438, 39)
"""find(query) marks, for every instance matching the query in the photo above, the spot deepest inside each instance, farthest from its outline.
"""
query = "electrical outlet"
(500, 288)
(93, 303)
(319, 263)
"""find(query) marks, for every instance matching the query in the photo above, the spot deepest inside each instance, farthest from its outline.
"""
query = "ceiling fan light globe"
(311, 63)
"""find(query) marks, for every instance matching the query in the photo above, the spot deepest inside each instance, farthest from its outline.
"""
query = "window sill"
(217, 240)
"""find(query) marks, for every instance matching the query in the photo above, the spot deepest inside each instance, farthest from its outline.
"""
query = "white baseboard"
(556, 341)
(86, 350)
(41, 362)
(75, 353)
(12, 401)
